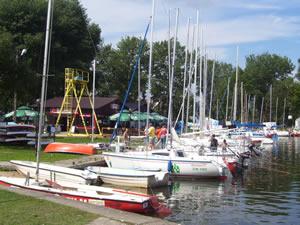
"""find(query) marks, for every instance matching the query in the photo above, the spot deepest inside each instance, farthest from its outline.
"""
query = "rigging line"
(141, 47)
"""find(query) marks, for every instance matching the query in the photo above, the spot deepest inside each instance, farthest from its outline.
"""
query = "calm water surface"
(269, 193)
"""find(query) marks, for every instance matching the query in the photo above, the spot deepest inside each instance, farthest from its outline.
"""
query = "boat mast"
(253, 112)
(227, 100)
(204, 89)
(139, 97)
(195, 71)
(261, 110)
(200, 84)
(93, 99)
(236, 84)
(45, 69)
(211, 89)
(189, 83)
(242, 103)
(276, 110)
(169, 48)
(270, 117)
(283, 116)
(172, 75)
(185, 72)
(148, 91)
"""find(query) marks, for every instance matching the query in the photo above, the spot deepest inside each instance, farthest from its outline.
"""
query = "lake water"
(269, 192)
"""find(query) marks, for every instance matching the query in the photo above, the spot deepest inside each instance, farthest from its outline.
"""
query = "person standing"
(213, 143)
(152, 137)
(224, 146)
(126, 137)
(163, 136)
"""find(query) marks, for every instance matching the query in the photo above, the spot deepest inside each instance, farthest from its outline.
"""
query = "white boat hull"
(131, 178)
(54, 173)
(188, 167)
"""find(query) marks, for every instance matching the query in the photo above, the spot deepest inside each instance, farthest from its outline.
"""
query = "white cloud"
(227, 22)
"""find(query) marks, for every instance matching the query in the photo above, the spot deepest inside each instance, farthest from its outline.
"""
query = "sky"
(256, 26)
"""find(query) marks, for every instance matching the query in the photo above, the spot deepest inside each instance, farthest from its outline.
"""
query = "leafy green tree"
(262, 70)
(74, 43)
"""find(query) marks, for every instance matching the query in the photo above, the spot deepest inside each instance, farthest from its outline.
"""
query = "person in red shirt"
(163, 136)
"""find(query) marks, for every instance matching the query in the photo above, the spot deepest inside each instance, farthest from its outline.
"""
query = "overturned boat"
(83, 149)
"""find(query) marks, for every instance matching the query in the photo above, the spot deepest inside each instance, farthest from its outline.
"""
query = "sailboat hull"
(183, 168)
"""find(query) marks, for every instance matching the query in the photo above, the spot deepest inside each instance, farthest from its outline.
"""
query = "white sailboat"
(176, 161)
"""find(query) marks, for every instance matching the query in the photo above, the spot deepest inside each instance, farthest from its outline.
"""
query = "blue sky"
(256, 26)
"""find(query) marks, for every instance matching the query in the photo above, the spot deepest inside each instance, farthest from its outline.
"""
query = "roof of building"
(84, 103)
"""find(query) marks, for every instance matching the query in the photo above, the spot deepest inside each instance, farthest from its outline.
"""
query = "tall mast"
(139, 97)
(169, 47)
(242, 102)
(93, 98)
(189, 83)
(200, 82)
(185, 72)
(148, 91)
(195, 71)
(253, 111)
(227, 100)
(211, 89)
(270, 117)
(217, 113)
(172, 75)
(283, 116)
(261, 110)
(236, 84)
(45, 74)
(276, 110)
(204, 90)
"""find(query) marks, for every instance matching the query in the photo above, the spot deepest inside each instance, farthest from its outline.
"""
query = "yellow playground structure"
(76, 86)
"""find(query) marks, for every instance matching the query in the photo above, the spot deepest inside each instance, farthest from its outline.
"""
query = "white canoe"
(131, 178)
(54, 173)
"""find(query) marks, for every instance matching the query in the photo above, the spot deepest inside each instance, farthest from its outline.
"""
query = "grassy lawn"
(18, 209)
(26, 152)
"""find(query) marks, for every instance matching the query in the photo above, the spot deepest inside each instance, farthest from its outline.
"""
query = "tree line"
(76, 42)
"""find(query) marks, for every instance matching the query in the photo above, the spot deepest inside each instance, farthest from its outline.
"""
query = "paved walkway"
(107, 216)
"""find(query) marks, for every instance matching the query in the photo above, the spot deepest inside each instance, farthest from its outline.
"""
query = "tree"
(74, 42)
(262, 70)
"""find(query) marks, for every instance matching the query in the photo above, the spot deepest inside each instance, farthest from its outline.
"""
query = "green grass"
(25, 152)
(23, 210)
(80, 139)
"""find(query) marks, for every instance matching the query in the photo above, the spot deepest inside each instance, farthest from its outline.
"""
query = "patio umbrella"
(158, 118)
(125, 116)
(135, 116)
(22, 111)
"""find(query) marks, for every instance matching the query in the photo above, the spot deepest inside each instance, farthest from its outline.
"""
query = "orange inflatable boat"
(57, 147)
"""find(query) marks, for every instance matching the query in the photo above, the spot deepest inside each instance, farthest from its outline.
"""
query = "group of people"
(155, 136)
(214, 144)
